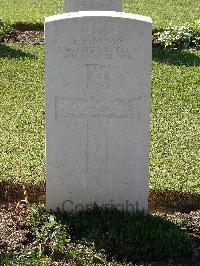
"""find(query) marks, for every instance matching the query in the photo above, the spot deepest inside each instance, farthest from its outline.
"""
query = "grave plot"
(174, 168)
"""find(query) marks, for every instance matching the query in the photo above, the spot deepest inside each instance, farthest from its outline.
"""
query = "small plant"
(182, 37)
(5, 28)
(50, 235)
(38, 216)
(52, 239)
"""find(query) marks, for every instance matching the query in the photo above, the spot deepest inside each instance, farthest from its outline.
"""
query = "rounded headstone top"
(89, 5)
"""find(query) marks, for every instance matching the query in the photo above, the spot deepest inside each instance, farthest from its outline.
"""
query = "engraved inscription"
(98, 52)
(100, 44)
(97, 115)
(83, 107)
(98, 81)
(98, 77)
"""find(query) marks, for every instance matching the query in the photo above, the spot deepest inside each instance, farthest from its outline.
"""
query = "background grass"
(175, 131)
(22, 113)
(162, 12)
(165, 12)
(175, 145)
(29, 11)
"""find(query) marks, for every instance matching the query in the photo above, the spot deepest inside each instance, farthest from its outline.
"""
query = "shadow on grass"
(175, 57)
(126, 237)
(173, 201)
(11, 52)
(21, 26)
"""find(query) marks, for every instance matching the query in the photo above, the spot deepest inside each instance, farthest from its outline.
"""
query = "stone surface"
(86, 5)
(98, 67)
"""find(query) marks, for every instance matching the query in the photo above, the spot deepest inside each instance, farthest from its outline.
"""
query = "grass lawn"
(175, 131)
(165, 12)
(29, 11)
(162, 12)
(174, 159)
(22, 113)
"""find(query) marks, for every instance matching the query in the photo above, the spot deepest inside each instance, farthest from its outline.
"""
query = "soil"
(16, 236)
(28, 37)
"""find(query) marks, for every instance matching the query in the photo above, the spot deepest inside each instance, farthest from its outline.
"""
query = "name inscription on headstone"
(98, 45)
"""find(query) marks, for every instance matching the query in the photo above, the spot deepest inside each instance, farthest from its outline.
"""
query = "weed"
(183, 37)
(5, 28)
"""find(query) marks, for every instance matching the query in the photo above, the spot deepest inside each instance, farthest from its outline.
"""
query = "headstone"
(98, 66)
(86, 5)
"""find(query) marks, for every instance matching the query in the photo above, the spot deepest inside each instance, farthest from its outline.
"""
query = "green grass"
(162, 12)
(29, 11)
(175, 131)
(175, 146)
(165, 12)
(22, 113)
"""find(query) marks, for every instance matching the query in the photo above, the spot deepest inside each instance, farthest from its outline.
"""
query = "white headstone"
(98, 66)
(86, 5)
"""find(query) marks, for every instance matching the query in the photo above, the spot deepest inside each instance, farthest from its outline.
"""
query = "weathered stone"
(86, 5)
(98, 67)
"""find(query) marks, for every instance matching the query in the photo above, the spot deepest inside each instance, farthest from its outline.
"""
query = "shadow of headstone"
(176, 57)
(128, 237)
(11, 52)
